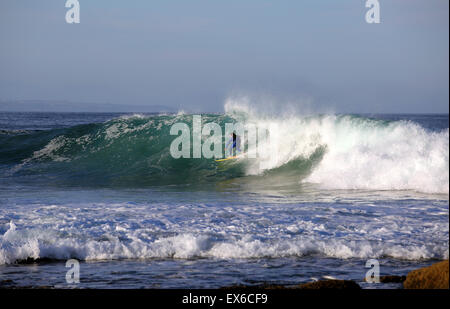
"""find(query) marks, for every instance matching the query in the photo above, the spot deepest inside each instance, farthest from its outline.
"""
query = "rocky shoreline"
(431, 277)
(435, 276)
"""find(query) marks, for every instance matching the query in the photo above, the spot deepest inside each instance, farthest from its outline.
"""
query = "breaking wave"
(334, 151)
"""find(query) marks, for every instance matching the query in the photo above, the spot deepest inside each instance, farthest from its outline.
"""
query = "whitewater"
(104, 189)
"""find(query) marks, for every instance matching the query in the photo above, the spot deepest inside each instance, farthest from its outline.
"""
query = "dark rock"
(30, 260)
(323, 284)
(331, 284)
(392, 279)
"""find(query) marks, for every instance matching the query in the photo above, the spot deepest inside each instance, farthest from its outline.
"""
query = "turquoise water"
(103, 189)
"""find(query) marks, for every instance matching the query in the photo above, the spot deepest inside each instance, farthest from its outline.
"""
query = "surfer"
(235, 142)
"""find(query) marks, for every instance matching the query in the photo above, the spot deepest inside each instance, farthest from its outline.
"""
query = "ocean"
(104, 189)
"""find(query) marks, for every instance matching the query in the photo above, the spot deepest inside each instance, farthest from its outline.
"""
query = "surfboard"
(229, 158)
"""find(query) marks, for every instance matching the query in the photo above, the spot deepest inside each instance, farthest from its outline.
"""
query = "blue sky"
(195, 54)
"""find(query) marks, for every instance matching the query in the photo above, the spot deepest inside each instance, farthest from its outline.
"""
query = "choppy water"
(103, 188)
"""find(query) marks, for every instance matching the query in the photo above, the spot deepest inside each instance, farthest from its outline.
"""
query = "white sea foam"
(16, 245)
(142, 231)
(359, 153)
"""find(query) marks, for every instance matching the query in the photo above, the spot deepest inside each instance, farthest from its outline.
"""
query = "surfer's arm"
(238, 144)
(228, 143)
(227, 147)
